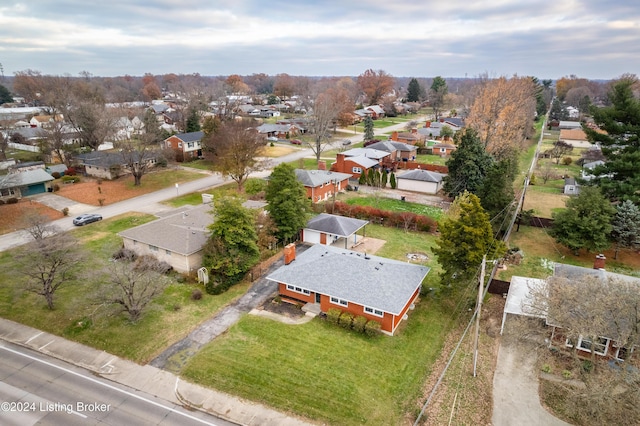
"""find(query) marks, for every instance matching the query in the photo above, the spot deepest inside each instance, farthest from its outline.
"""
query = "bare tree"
(503, 114)
(559, 150)
(50, 261)
(93, 122)
(326, 108)
(234, 150)
(134, 285)
(547, 172)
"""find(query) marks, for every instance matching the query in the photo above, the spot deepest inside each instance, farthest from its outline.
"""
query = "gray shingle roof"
(374, 281)
(391, 146)
(29, 177)
(190, 137)
(336, 225)
(366, 152)
(422, 175)
(100, 159)
(184, 232)
(315, 178)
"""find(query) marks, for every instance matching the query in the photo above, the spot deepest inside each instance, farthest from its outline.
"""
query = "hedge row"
(357, 323)
(407, 220)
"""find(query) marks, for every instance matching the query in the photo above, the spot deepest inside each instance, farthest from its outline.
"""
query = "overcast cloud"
(453, 38)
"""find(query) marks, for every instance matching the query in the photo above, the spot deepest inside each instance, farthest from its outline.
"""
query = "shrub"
(67, 178)
(546, 368)
(65, 211)
(150, 263)
(254, 186)
(12, 200)
(566, 374)
(345, 321)
(359, 323)
(567, 161)
(56, 187)
(2, 202)
(55, 175)
(587, 366)
(70, 172)
(196, 294)
(125, 254)
(333, 315)
(392, 181)
(372, 328)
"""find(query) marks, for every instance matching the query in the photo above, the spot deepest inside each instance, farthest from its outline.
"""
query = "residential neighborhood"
(270, 238)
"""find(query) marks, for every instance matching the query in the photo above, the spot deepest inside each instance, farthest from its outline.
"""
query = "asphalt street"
(36, 389)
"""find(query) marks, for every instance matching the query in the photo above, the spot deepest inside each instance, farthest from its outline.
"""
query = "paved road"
(36, 389)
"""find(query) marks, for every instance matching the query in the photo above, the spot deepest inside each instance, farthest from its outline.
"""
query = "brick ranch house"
(377, 288)
(520, 301)
(358, 160)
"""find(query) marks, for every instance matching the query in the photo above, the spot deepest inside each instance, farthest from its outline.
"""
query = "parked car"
(85, 219)
(296, 141)
(272, 139)
(346, 142)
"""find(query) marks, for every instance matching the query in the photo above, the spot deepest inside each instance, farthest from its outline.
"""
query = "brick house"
(357, 161)
(520, 301)
(322, 184)
(377, 288)
(187, 146)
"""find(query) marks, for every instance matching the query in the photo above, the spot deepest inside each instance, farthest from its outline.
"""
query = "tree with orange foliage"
(150, 90)
(375, 84)
(503, 114)
(237, 84)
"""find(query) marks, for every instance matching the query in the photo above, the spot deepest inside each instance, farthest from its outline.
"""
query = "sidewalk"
(151, 380)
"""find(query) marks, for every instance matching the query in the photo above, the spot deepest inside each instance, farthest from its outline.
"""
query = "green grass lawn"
(80, 317)
(195, 198)
(198, 164)
(324, 372)
(432, 159)
(397, 206)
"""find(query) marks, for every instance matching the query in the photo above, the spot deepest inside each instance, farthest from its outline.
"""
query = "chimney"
(289, 253)
(322, 165)
(394, 136)
(414, 130)
(599, 261)
(427, 124)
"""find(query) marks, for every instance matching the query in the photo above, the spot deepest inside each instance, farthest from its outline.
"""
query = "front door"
(318, 297)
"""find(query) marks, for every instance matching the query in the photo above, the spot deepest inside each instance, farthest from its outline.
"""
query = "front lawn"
(324, 372)
(80, 317)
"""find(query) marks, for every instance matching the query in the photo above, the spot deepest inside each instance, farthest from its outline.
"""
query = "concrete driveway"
(516, 401)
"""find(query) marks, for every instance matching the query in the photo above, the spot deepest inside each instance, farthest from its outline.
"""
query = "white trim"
(356, 169)
(618, 348)
(588, 349)
(337, 301)
(298, 289)
(373, 311)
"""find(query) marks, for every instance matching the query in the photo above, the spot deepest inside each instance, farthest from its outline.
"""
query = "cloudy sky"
(410, 38)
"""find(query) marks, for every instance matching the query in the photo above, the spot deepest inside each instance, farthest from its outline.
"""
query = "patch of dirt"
(283, 308)
(368, 245)
(88, 191)
(12, 215)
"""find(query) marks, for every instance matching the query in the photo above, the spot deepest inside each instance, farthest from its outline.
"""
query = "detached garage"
(421, 181)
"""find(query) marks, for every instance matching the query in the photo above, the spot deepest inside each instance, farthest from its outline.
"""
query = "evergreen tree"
(625, 229)
(465, 237)
(231, 249)
(287, 200)
(193, 121)
(385, 179)
(392, 181)
(585, 223)
(437, 95)
(496, 192)
(5, 95)
(413, 91)
(368, 128)
(619, 177)
(468, 165)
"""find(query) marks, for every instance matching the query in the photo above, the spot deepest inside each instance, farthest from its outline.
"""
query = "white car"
(272, 139)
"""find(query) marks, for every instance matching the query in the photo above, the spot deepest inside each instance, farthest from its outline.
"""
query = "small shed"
(419, 180)
(570, 186)
(330, 229)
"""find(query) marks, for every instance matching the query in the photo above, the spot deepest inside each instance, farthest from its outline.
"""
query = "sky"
(594, 39)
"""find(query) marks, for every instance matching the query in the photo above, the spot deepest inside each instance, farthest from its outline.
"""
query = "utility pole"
(480, 292)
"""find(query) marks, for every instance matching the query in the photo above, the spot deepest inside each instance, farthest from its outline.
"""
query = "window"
(443, 150)
(372, 311)
(189, 144)
(298, 289)
(337, 301)
(179, 144)
(600, 346)
(167, 252)
(6, 192)
(622, 353)
(153, 248)
(356, 170)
